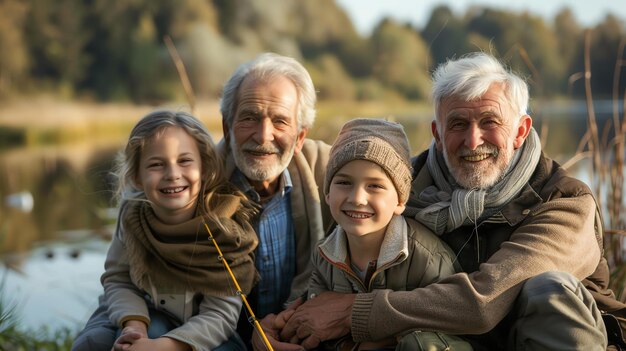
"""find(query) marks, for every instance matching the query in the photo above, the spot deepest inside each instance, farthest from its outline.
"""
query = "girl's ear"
(137, 182)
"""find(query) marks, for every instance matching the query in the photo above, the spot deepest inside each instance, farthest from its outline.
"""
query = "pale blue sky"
(366, 13)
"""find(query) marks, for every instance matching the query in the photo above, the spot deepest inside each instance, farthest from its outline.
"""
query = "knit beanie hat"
(374, 140)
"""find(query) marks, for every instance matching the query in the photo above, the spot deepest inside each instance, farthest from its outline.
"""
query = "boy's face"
(362, 198)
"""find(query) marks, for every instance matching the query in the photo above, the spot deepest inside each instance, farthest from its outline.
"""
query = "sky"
(365, 14)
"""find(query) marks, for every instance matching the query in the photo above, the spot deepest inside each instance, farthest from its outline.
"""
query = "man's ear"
(433, 129)
(300, 140)
(523, 129)
(226, 132)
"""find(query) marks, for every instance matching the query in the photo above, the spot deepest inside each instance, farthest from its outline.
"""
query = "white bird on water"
(22, 201)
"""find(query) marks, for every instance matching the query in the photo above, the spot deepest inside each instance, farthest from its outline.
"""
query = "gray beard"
(256, 171)
(475, 179)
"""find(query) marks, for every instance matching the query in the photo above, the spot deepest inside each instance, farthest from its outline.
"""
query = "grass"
(607, 155)
(15, 339)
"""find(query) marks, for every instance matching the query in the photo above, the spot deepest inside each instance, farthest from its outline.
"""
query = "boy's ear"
(399, 209)
(326, 198)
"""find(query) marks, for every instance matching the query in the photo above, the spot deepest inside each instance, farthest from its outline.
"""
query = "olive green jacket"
(410, 257)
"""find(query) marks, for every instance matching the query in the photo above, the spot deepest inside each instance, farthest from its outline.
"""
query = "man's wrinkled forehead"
(494, 98)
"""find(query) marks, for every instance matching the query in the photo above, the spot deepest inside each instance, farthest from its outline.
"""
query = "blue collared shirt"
(276, 253)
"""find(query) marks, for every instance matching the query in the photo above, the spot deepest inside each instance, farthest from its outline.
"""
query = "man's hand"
(272, 325)
(325, 317)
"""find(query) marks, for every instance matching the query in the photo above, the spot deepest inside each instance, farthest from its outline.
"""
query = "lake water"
(53, 255)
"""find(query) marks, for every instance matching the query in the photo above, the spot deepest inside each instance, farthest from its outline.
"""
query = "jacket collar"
(394, 246)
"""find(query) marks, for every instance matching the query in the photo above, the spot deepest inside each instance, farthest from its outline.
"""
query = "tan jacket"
(311, 216)
(552, 225)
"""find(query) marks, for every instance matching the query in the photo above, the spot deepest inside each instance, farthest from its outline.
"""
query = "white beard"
(478, 175)
(260, 170)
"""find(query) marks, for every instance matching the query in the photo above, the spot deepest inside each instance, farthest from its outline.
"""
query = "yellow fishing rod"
(241, 294)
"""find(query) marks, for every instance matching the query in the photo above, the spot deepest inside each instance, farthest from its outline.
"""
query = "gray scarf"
(445, 206)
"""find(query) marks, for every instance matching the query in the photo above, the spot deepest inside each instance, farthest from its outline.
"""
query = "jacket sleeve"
(125, 301)
(212, 326)
(557, 236)
(318, 282)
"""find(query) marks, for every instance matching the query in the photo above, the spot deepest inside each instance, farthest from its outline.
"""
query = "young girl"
(165, 287)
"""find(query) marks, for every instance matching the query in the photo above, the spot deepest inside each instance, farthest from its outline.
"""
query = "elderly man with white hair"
(527, 235)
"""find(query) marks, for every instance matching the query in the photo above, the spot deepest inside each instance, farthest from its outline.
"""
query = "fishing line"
(252, 318)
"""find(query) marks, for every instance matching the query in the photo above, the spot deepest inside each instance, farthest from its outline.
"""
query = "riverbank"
(48, 120)
(44, 120)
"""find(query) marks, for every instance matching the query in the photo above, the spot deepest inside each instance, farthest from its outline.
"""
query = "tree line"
(114, 50)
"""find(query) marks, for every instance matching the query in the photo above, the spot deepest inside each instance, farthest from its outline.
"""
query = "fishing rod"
(241, 294)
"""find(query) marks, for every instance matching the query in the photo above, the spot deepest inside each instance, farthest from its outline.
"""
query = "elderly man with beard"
(527, 235)
(268, 106)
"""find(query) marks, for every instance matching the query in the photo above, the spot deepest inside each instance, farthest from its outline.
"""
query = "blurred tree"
(130, 58)
(446, 35)
(113, 24)
(401, 59)
(145, 62)
(526, 42)
(57, 35)
(323, 28)
(115, 49)
(569, 32)
(14, 57)
(331, 80)
(210, 58)
(605, 39)
(570, 42)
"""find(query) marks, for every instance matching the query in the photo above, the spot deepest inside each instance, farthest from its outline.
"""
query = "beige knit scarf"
(181, 258)
(445, 206)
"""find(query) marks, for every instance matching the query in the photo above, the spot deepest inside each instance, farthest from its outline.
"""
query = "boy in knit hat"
(368, 180)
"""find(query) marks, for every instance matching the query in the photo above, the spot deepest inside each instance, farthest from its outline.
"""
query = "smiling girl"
(165, 287)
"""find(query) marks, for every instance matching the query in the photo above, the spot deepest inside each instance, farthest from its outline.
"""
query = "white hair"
(470, 76)
(265, 67)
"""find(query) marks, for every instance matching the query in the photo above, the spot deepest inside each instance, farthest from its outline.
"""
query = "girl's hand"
(159, 344)
(133, 331)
